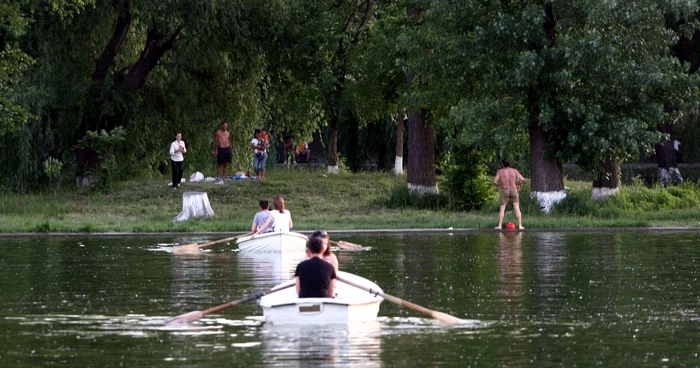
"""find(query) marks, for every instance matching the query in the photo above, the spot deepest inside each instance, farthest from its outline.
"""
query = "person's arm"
(253, 145)
(254, 227)
(264, 226)
(298, 284)
(334, 262)
(495, 180)
(216, 145)
(172, 148)
(291, 224)
(184, 149)
(331, 288)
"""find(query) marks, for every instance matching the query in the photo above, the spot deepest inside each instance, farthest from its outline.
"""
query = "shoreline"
(364, 231)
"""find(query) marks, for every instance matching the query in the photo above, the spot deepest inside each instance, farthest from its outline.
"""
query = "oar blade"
(185, 318)
(444, 317)
(348, 245)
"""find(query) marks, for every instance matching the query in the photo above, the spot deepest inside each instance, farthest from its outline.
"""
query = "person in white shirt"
(281, 219)
(259, 147)
(177, 148)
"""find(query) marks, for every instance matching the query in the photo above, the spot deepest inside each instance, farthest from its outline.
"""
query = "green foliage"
(630, 199)
(52, 169)
(400, 197)
(104, 143)
(467, 181)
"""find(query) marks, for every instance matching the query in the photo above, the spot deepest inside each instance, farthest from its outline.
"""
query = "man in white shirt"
(177, 148)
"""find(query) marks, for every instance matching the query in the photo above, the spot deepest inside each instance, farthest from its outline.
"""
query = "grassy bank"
(321, 201)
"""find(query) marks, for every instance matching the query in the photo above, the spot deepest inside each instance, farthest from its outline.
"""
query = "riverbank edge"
(366, 231)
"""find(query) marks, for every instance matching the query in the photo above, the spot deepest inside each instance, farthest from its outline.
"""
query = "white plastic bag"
(198, 176)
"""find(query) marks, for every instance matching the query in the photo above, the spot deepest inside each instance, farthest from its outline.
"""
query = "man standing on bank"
(222, 150)
(177, 148)
(508, 181)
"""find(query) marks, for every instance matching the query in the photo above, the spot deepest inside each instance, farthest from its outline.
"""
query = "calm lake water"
(534, 299)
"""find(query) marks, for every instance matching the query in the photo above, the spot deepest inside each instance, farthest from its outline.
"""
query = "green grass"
(319, 200)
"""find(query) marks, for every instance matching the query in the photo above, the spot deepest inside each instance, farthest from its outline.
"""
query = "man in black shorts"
(315, 277)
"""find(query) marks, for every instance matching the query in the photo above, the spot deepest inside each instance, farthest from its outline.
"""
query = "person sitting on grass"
(328, 256)
(315, 278)
(303, 152)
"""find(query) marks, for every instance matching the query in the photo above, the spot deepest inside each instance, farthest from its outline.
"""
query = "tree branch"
(121, 28)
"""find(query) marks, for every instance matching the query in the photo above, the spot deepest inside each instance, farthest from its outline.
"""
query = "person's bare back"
(508, 178)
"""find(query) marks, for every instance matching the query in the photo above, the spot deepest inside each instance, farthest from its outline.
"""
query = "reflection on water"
(537, 299)
(354, 344)
(268, 269)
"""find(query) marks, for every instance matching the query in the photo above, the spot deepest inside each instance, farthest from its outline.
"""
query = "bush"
(467, 182)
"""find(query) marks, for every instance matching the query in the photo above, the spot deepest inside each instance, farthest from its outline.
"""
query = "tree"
(588, 81)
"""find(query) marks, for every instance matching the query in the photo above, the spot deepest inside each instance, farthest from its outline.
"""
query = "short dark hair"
(319, 234)
(506, 163)
(314, 245)
(264, 204)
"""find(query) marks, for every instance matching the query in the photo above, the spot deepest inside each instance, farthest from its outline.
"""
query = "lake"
(528, 299)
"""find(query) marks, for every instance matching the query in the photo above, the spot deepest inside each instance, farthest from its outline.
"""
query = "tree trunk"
(421, 155)
(607, 181)
(667, 171)
(547, 185)
(333, 143)
(156, 46)
(121, 29)
(398, 162)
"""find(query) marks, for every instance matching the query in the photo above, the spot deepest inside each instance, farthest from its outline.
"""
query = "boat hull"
(274, 242)
(350, 305)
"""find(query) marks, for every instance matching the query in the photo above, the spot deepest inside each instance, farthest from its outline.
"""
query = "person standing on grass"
(177, 160)
(281, 219)
(315, 278)
(222, 150)
(259, 147)
(508, 181)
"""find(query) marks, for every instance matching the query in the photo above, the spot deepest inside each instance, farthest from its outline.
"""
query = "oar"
(429, 312)
(193, 316)
(196, 246)
(342, 244)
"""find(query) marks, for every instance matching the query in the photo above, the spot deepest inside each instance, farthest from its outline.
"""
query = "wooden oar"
(342, 244)
(429, 312)
(193, 316)
(195, 246)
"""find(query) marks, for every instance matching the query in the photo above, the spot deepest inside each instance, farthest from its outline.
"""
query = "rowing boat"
(273, 242)
(351, 304)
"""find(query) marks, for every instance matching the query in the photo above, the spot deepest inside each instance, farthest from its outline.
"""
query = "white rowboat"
(351, 304)
(273, 242)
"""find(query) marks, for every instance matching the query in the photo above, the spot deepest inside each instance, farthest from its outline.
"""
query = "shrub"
(467, 181)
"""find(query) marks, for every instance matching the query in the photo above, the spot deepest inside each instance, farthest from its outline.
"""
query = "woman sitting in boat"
(315, 278)
(327, 254)
(280, 219)
(261, 217)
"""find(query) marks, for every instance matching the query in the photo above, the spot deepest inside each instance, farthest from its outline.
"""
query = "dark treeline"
(100, 87)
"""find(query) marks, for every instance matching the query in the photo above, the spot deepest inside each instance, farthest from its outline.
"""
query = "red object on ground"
(510, 226)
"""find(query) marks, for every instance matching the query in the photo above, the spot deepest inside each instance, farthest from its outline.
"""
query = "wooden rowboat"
(351, 304)
(273, 242)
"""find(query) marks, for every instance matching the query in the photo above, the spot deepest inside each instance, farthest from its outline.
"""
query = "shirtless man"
(222, 150)
(508, 181)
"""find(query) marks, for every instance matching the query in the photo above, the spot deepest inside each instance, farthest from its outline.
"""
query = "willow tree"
(153, 68)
